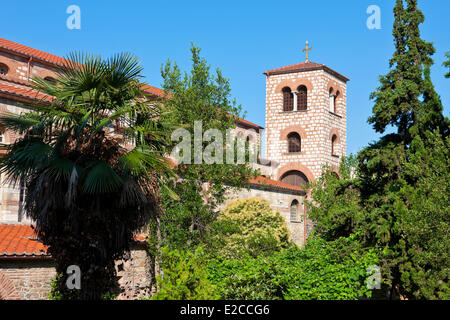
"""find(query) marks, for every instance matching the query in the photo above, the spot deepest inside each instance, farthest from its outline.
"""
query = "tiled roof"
(273, 184)
(50, 58)
(30, 52)
(248, 123)
(154, 90)
(23, 93)
(20, 241)
(305, 66)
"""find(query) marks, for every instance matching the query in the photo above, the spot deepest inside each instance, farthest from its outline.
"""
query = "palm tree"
(92, 161)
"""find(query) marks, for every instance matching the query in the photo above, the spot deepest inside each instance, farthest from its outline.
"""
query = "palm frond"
(100, 178)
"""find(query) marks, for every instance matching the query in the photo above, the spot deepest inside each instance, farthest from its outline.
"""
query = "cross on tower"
(307, 49)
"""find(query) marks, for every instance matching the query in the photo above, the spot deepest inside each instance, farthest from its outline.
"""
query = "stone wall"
(29, 279)
(314, 125)
(10, 205)
(133, 270)
(280, 201)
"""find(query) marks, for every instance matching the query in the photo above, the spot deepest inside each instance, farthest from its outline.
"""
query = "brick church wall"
(314, 125)
(30, 278)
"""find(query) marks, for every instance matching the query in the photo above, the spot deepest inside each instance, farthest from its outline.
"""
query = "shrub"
(250, 227)
(184, 277)
(320, 271)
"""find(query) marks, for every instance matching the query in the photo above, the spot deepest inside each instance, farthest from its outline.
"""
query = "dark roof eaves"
(322, 67)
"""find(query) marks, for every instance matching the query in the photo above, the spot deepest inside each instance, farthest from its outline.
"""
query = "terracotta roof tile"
(263, 181)
(19, 48)
(20, 240)
(38, 54)
(22, 92)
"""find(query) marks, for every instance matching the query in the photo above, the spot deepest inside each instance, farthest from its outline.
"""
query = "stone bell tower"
(306, 118)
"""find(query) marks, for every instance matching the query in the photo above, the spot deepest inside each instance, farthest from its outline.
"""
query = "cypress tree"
(447, 64)
(398, 99)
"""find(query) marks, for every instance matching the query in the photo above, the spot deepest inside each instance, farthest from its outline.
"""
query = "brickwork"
(134, 274)
(314, 125)
(26, 279)
(29, 279)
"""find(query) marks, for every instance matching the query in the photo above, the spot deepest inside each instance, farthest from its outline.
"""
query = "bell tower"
(306, 119)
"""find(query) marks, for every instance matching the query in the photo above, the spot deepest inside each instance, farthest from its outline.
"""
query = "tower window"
(288, 99)
(294, 142)
(302, 98)
(333, 145)
(294, 210)
(295, 178)
(3, 69)
(333, 100)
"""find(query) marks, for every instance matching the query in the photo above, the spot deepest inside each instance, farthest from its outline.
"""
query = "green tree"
(249, 227)
(86, 193)
(322, 270)
(198, 95)
(397, 100)
(447, 64)
(400, 189)
(184, 277)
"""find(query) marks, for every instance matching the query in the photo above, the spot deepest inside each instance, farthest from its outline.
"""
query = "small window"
(333, 145)
(288, 99)
(4, 69)
(294, 210)
(2, 136)
(335, 101)
(294, 142)
(302, 98)
(50, 79)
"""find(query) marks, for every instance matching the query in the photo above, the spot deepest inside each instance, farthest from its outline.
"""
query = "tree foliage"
(86, 193)
(198, 95)
(397, 201)
(320, 271)
(447, 64)
(250, 227)
(184, 277)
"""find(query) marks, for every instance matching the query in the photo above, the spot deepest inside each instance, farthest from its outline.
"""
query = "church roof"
(20, 241)
(28, 93)
(305, 66)
(20, 49)
(266, 183)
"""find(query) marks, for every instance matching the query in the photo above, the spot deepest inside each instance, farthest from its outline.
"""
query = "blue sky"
(243, 38)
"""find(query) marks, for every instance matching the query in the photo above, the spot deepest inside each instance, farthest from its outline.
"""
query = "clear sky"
(243, 38)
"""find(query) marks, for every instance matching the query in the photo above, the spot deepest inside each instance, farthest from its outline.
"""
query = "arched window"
(333, 145)
(4, 69)
(302, 98)
(294, 142)
(50, 79)
(332, 100)
(288, 99)
(295, 178)
(294, 210)
(335, 101)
